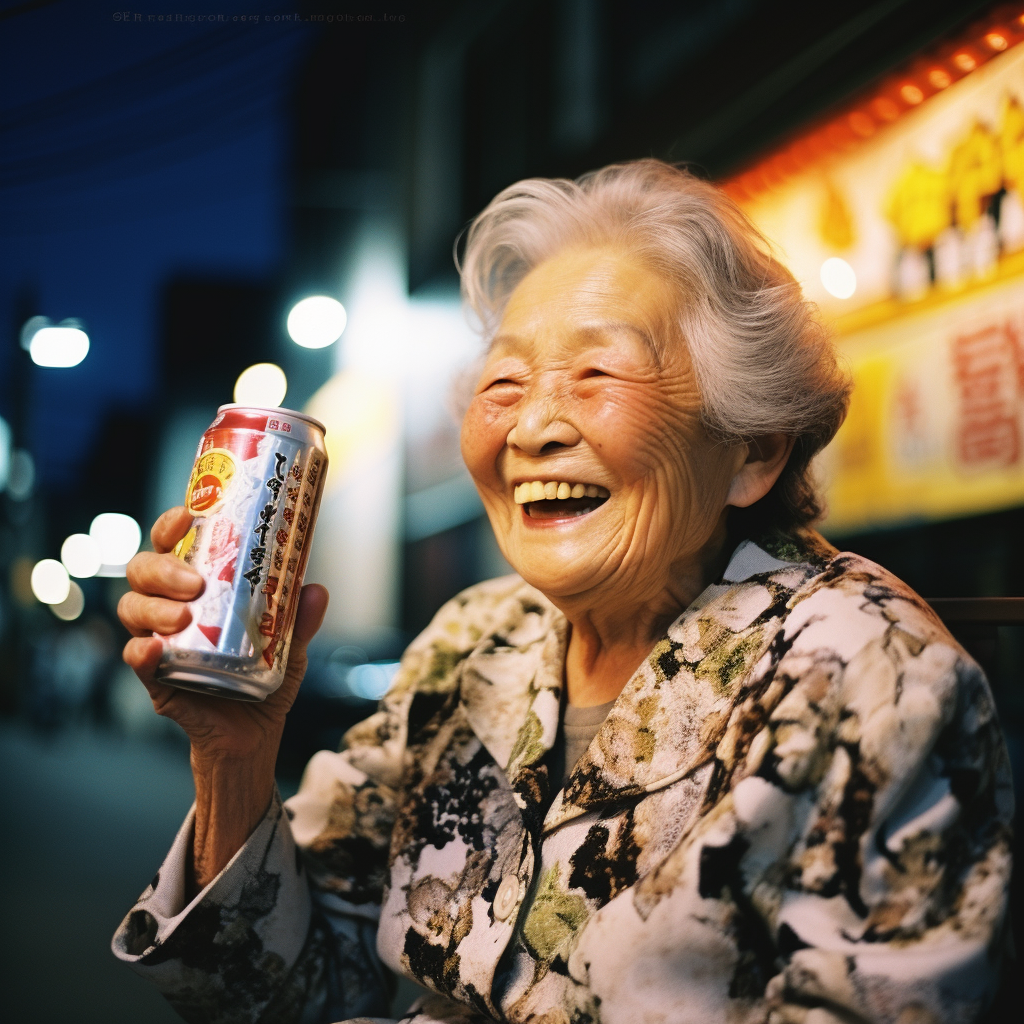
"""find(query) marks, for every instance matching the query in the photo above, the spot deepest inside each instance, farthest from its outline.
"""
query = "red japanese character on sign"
(297, 471)
(289, 515)
(987, 376)
(282, 536)
(270, 587)
(272, 424)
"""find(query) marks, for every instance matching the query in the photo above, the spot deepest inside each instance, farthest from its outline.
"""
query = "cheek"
(484, 431)
(644, 434)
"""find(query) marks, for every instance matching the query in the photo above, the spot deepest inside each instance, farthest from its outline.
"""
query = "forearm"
(251, 942)
(232, 797)
(262, 944)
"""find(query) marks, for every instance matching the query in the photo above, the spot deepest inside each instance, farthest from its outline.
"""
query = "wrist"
(257, 759)
(232, 798)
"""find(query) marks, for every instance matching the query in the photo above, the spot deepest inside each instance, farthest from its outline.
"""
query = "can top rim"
(271, 410)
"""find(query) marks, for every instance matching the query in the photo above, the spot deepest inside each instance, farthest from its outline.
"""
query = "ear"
(766, 458)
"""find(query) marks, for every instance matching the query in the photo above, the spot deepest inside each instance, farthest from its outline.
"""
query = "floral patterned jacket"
(798, 810)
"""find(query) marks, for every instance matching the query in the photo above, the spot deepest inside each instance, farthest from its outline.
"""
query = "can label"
(210, 477)
(254, 493)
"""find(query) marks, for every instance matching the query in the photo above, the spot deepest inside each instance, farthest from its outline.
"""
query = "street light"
(58, 346)
(72, 606)
(317, 322)
(262, 384)
(118, 537)
(81, 555)
(50, 581)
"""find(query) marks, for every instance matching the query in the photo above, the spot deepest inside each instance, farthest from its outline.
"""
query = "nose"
(540, 429)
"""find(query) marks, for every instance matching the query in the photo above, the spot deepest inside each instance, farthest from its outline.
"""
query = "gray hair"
(763, 361)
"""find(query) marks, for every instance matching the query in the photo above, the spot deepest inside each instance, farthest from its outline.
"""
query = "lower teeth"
(555, 508)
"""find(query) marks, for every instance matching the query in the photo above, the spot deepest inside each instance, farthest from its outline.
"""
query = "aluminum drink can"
(254, 494)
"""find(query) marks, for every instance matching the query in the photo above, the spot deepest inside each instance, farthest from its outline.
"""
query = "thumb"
(310, 614)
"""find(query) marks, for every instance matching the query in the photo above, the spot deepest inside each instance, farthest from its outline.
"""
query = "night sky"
(130, 151)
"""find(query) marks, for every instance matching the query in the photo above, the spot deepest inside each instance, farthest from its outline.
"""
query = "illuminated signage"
(904, 221)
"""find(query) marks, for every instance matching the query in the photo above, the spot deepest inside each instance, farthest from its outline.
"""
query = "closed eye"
(503, 390)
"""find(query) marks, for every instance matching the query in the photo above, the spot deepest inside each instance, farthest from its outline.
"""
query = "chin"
(554, 579)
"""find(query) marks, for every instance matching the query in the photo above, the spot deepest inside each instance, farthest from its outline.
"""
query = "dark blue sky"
(131, 151)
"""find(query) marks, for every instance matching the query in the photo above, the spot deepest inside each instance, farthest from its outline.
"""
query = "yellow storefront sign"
(936, 424)
(927, 217)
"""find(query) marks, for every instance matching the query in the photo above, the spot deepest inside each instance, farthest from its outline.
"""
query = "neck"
(612, 632)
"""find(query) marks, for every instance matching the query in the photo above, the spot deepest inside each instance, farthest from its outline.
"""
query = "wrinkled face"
(584, 434)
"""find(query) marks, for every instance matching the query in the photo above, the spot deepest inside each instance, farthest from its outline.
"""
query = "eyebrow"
(600, 326)
(594, 329)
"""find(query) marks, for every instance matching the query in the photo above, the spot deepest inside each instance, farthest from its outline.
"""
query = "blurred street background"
(175, 178)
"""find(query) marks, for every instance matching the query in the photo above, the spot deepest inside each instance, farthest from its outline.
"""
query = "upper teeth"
(538, 490)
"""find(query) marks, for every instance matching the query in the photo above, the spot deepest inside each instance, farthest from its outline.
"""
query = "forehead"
(594, 296)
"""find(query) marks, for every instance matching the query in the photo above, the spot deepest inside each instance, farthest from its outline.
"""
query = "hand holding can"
(254, 494)
(234, 743)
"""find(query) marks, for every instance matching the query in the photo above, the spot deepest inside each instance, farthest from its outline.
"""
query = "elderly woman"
(690, 764)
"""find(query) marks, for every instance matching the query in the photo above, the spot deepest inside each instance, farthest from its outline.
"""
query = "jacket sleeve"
(884, 783)
(287, 931)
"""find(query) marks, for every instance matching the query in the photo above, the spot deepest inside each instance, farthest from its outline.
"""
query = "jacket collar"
(672, 714)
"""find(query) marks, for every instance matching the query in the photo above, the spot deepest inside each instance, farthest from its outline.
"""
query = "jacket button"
(506, 897)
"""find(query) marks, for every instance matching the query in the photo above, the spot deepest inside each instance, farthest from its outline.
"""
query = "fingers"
(161, 584)
(143, 615)
(312, 608)
(163, 576)
(170, 528)
(142, 656)
(308, 618)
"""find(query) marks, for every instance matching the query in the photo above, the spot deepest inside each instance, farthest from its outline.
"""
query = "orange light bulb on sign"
(862, 124)
(911, 94)
(884, 108)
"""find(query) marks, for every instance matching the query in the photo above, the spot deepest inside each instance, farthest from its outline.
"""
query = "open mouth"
(557, 499)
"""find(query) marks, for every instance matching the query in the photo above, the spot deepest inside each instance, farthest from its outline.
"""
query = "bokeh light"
(72, 606)
(118, 537)
(81, 556)
(21, 474)
(317, 322)
(59, 347)
(838, 277)
(19, 579)
(50, 581)
(262, 384)
(5, 451)
(372, 680)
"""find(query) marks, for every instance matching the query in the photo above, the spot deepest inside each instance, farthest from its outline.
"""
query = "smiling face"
(585, 441)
